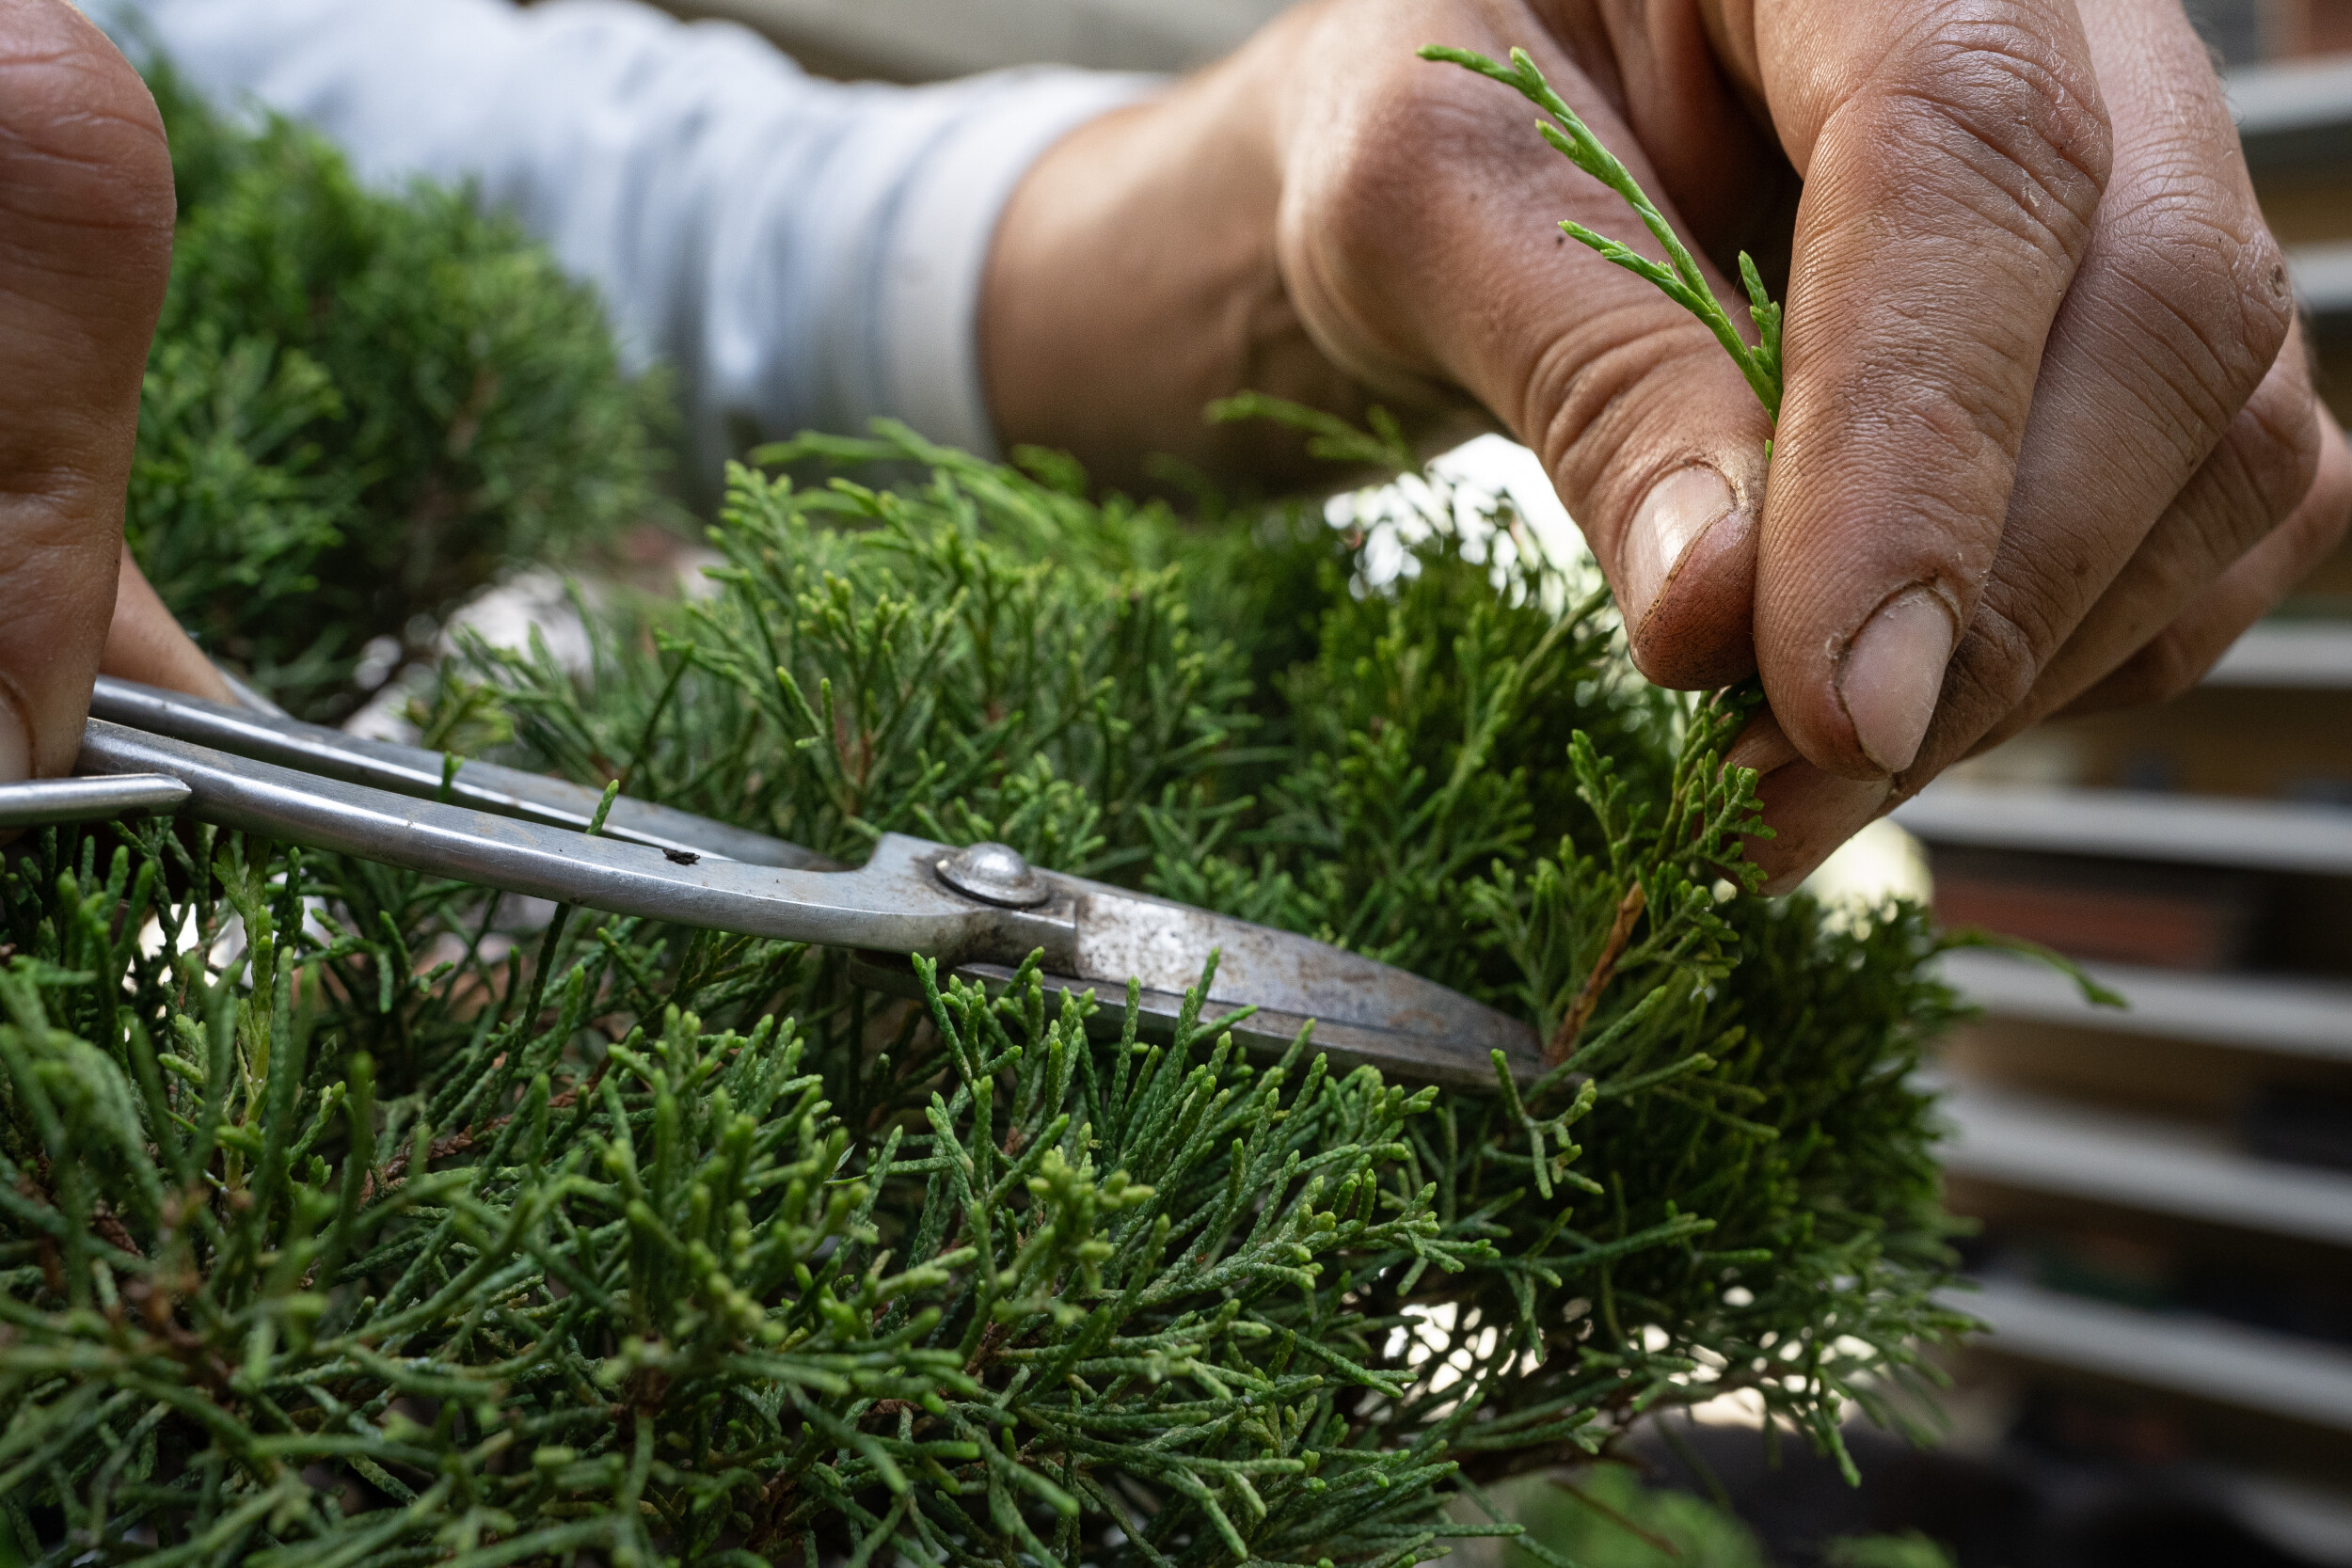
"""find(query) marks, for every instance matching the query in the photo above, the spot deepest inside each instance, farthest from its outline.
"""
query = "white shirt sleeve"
(807, 254)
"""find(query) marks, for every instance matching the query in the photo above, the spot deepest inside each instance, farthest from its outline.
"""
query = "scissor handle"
(895, 901)
(424, 775)
(40, 803)
(514, 831)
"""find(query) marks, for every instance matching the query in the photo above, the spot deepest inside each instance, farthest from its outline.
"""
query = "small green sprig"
(1680, 280)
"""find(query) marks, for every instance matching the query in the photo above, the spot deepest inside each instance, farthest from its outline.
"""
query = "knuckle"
(1397, 141)
(2265, 295)
(2204, 286)
(1996, 664)
(2002, 101)
(1590, 390)
(1348, 191)
(80, 137)
(2273, 447)
(1375, 205)
(2169, 666)
(2254, 480)
(2324, 513)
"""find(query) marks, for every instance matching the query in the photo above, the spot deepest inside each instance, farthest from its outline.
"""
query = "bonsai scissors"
(981, 911)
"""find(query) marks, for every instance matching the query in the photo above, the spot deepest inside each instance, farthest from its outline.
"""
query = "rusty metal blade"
(504, 829)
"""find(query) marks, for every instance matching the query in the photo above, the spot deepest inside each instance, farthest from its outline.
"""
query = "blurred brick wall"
(922, 40)
(2316, 27)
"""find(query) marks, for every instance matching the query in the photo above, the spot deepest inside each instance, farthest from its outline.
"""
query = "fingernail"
(1678, 508)
(16, 744)
(1763, 745)
(1893, 673)
(1811, 812)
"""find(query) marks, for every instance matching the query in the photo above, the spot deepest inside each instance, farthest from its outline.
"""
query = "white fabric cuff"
(935, 250)
(809, 254)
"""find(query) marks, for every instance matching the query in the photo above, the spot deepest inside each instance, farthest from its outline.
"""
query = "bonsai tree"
(353, 1216)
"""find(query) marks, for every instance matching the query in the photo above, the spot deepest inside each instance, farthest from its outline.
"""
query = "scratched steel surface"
(980, 910)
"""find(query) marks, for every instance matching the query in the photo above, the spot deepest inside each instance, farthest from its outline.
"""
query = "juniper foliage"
(1604, 1516)
(1679, 278)
(346, 1226)
(361, 405)
(353, 1218)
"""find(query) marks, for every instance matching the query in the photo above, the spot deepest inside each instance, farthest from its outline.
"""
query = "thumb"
(86, 214)
(147, 645)
(1431, 251)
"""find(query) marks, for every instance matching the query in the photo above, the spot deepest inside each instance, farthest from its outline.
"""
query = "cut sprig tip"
(1679, 276)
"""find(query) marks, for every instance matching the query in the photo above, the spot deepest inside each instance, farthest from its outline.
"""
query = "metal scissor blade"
(892, 902)
(1092, 936)
(269, 737)
(1363, 1012)
(91, 800)
(1455, 1052)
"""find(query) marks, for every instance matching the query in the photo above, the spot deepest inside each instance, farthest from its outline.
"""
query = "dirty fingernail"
(16, 744)
(1763, 745)
(1678, 508)
(1892, 674)
(1811, 812)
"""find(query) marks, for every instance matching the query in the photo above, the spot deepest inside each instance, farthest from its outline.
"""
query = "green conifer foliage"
(354, 1218)
(1603, 1516)
(345, 1224)
(360, 405)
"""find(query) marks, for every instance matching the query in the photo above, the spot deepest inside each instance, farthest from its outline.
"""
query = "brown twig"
(111, 1228)
(395, 1170)
(103, 1223)
(991, 1341)
(1620, 933)
(1614, 1517)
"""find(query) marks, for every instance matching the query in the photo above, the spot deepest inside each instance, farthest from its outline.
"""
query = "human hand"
(2047, 439)
(86, 212)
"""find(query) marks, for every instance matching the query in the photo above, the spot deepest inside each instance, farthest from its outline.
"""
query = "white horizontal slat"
(2311, 1520)
(2049, 1146)
(2203, 1357)
(2290, 1017)
(2296, 114)
(2298, 656)
(2271, 836)
(919, 39)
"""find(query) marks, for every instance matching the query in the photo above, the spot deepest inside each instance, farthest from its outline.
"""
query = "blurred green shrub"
(1603, 1517)
(360, 405)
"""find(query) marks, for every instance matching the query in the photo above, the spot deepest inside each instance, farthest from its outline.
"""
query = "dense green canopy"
(350, 1216)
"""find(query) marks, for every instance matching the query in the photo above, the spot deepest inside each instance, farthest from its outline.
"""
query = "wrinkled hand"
(85, 210)
(2048, 441)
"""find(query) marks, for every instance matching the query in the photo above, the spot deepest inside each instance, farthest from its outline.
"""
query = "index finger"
(86, 213)
(1953, 158)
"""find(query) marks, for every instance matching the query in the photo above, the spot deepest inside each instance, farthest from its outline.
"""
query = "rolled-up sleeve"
(807, 254)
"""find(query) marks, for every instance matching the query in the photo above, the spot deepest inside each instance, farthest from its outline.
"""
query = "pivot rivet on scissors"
(994, 873)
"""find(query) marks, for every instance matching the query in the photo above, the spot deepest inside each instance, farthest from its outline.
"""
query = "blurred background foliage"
(362, 407)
